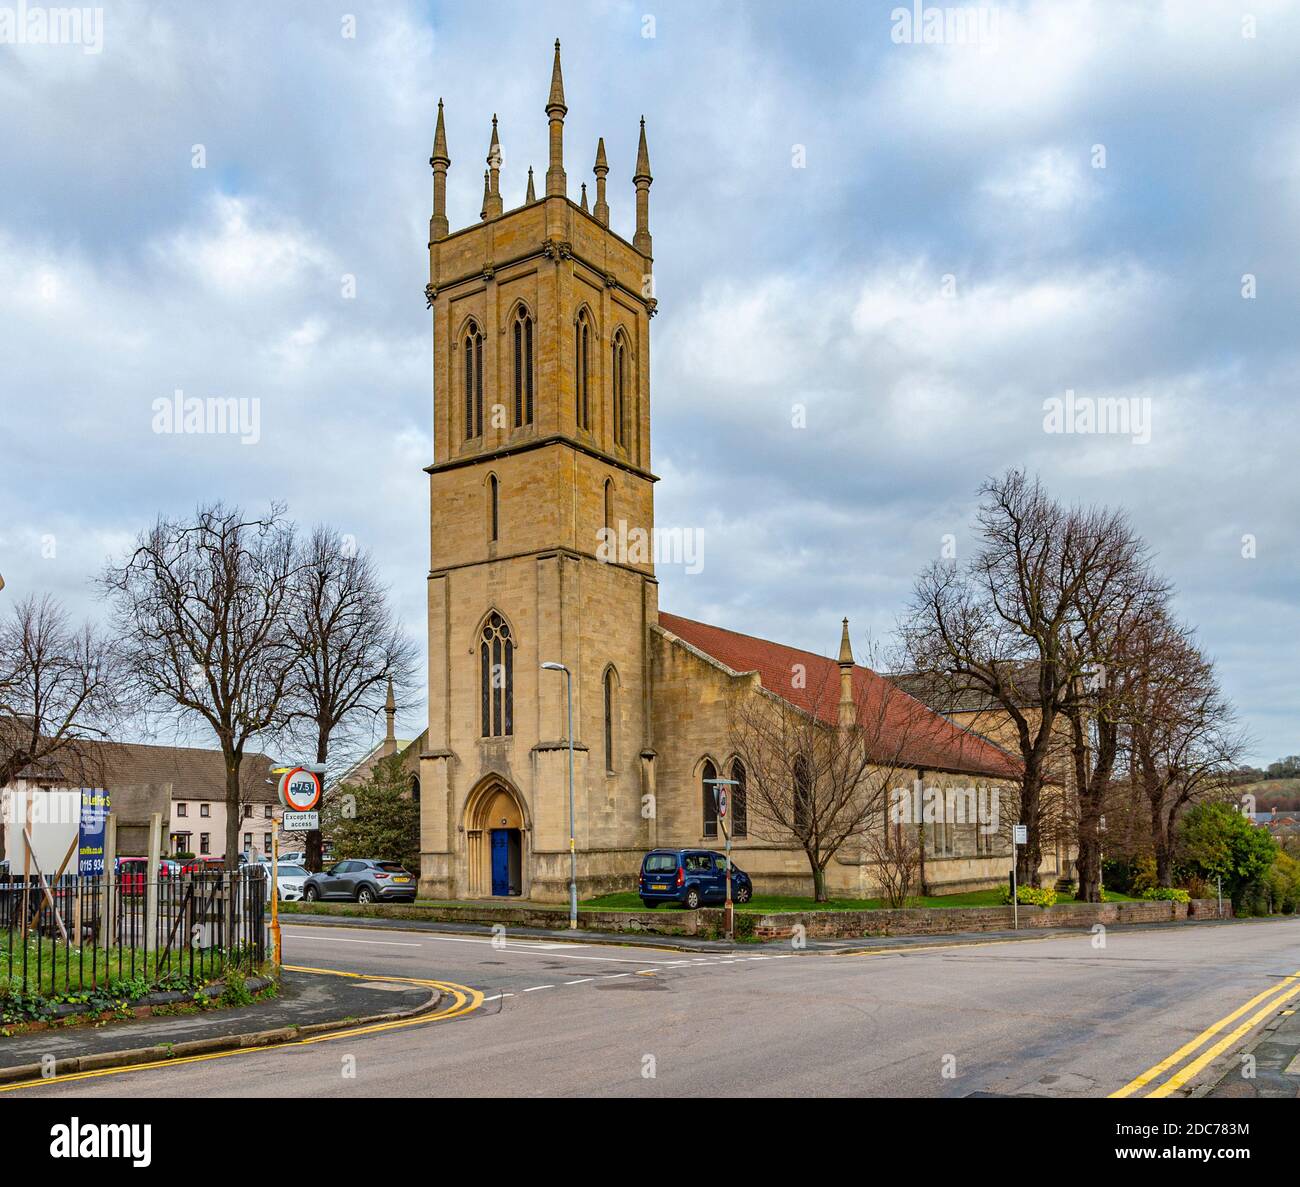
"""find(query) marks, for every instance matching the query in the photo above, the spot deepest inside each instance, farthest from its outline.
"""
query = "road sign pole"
(275, 892)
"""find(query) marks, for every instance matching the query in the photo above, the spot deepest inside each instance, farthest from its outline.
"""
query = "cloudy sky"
(916, 243)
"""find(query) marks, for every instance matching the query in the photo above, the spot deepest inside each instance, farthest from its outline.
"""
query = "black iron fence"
(78, 933)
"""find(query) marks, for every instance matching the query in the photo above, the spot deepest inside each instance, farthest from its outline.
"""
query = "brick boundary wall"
(845, 925)
(921, 921)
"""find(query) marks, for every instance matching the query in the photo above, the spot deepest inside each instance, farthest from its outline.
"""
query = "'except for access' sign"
(301, 822)
(1021, 834)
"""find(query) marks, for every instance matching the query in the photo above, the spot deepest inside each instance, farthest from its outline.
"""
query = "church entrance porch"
(495, 831)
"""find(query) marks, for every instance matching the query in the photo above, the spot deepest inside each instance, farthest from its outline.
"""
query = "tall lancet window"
(618, 373)
(523, 368)
(581, 371)
(496, 663)
(473, 381)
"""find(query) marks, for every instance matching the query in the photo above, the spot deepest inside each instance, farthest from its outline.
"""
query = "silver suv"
(362, 880)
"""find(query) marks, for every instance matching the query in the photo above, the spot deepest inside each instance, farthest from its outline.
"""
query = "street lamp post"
(726, 832)
(573, 852)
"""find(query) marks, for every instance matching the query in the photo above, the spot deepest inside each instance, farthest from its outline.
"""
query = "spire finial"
(531, 195)
(642, 179)
(390, 710)
(556, 98)
(583, 203)
(492, 204)
(848, 710)
(601, 169)
(555, 109)
(438, 226)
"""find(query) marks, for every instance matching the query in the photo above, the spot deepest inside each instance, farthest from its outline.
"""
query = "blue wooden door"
(500, 861)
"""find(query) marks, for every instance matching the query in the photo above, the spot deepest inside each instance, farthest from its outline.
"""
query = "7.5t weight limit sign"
(300, 790)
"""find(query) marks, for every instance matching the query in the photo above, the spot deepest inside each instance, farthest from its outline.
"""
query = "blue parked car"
(690, 878)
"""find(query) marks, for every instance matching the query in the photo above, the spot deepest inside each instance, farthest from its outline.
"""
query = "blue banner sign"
(90, 845)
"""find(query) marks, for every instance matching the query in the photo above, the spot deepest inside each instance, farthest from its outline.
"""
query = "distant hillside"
(1283, 794)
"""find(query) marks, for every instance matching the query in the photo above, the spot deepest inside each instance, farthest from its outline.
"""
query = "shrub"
(1028, 896)
(1166, 894)
(1144, 876)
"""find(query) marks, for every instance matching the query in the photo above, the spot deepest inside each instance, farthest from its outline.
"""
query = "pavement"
(1152, 1011)
(1267, 1067)
(696, 944)
(307, 1003)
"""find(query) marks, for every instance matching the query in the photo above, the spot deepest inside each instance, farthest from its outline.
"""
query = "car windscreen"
(393, 867)
(660, 863)
(290, 872)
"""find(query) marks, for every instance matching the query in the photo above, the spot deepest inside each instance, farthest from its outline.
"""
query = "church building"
(541, 318)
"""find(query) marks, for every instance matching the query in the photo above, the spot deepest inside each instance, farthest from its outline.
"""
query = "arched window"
(739, 801)
(473, 381)
(609, 719)
(494, 508)
(415, 788)
(710, 808)
(581, 358)
(802, 796)
(609, 503)
(523, 368)
(496, 663)
(618, 380)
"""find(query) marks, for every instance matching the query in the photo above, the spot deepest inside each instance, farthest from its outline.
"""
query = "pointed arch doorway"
(496, 829)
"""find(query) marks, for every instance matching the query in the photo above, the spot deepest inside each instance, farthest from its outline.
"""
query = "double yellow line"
(1276, 996)
(464, 1000)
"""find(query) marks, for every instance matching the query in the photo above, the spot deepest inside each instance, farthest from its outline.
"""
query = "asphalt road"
(1049, 1017)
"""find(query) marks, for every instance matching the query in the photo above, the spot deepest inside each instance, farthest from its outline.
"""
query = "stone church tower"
(541, 333)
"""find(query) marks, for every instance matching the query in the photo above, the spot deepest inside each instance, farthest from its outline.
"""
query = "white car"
(293, 859)
(288, 880)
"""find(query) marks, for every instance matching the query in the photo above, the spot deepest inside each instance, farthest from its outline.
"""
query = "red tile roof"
(908, 728)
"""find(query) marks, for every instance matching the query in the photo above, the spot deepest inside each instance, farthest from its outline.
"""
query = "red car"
(131, 872)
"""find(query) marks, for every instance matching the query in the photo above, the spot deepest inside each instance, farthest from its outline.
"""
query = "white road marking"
(535, 988)
(383, 943)
(580, 980)
(615, 976)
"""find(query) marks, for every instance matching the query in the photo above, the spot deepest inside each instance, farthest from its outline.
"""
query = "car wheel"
(742, 894)
(311, 894)
(649, 904)
(365, 895)
(692, 899)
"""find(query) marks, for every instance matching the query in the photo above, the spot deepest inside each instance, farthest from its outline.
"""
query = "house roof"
(922, 737)
(952, 694)
(194, 773)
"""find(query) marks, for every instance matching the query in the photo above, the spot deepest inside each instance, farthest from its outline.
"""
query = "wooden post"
(151, 878)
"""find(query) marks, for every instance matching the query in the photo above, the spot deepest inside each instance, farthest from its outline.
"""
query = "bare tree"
(1183, 736)
(59, 690)
(202, 610)
(1116, 596)
(822, 774)
(896, 853)
(999, 626)
(348, 646)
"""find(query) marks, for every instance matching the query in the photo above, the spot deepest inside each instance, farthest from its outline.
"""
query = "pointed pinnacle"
(584, 196)
(642, 158)
(556, 98)
(531, 196)
(601, 165)
(389, 702)
(494, 147)
(846, 651)
(440, 141)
